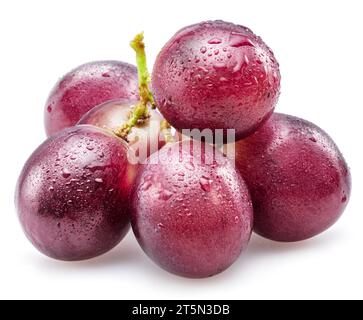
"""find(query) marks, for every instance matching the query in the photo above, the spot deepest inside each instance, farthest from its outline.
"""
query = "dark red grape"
(216, 75)
(145, 138)
(299, 181)
(72, 195)
(192, 212)
(86, 87)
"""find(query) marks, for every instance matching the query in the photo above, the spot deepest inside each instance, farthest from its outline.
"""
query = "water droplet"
(205, 183)
(65, 173)
(181, 176)
(90, 148)
(99, 180)
(216, 52)
(200, 68)
(95, 168)
(49, 108)
(146, 185)
(237, 40)
(106, 75)
(203, 50)
(223, 79)
(160, 225)
(51, 188)
(344, 199)
(313, 139)
(165, 195)
(215, 41)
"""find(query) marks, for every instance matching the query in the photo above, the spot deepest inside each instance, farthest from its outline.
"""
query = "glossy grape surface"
(216, 75)
(72, 196)
(299, 181)
(192, 212)
(86, 87)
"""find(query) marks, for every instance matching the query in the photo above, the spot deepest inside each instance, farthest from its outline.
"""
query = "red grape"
(144, 139)
(191, 210)
(216, 75)
(72, 195)
(299, 181)
(86, 87)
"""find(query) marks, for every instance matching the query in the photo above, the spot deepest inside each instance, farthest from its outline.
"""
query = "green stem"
(140, 111)
(144, 77)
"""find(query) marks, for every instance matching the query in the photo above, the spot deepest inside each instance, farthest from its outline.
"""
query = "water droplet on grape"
(200, 68)
(205, 183)
(146, 185)
(181, 176)
(49, 108)
(203, 50)
(95, 168)
(215, 41)
(106, 75)
(99, 180)
(66, 173)
(313, 139)
(165, 195)
(237, 40)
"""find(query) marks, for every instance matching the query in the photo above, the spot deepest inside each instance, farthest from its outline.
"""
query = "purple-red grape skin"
(193, 218)
(216, 75)
(299, 181)
(72, 196)
(84, 88)
(144, 139)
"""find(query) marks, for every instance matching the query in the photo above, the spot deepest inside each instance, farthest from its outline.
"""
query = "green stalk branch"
(140, 112)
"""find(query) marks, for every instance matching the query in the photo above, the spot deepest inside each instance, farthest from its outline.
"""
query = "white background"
(319, 46)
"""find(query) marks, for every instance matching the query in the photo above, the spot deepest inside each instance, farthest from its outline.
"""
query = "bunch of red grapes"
(192, 205)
